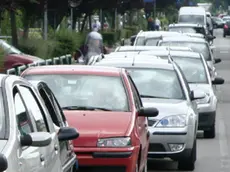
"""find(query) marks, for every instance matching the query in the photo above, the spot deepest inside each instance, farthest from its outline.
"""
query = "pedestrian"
(96, 25)
(157, 24)
(210, 24)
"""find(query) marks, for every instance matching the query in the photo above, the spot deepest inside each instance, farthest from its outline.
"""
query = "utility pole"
(45, 32)
(155, 8)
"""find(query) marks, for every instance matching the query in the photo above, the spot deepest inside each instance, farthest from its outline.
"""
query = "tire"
(210, 133)
(188, 164)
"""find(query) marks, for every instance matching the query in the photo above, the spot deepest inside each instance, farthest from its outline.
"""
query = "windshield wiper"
(90, 108)
(148, 96)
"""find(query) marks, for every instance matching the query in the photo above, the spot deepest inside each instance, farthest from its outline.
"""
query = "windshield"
(2, 119)
(157, 83)
(78, 91)
(193, 69)
(195, 19)
(188, 29)
(195, 46)
(216, 19)
(9, 49)
(226, 18)
(147, 41)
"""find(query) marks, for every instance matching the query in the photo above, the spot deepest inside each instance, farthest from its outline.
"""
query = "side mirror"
(195, 95)
(38, 139)
(217, 60)
(218, 81)
(148, 112)
(3, 163)
(132, 39)
(67, 133)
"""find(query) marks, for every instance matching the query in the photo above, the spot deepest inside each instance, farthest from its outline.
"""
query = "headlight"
(204, 100)
(114, 142)
(173, 121)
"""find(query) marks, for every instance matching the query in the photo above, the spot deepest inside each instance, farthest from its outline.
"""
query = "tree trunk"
(90, 22)
(26, 26)
(13, 28)
(83, 23)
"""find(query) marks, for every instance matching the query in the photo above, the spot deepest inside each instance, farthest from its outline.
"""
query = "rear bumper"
(106, 159)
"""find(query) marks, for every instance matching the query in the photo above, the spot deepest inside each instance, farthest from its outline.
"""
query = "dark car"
(14, 57)
(217, 22)
(226, 30)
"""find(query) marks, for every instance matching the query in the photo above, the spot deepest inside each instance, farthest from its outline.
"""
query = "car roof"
(185, 25)
(73, 69)
(137, 63)
(118, 56)
(184, 39)
(150, 34)
(147, 48)
(189, 54)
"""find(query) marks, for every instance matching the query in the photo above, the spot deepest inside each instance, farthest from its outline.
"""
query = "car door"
(29, 157)
(49, 154)
(58, 120)
(142, 123)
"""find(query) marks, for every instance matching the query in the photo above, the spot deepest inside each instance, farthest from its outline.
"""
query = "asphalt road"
(213, 155)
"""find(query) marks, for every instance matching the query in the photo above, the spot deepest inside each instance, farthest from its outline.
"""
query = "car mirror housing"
(3, 163)
(196, 94)
(148, 112)
(67, 133)
(37, 139)
(217, 60)
(218, 81)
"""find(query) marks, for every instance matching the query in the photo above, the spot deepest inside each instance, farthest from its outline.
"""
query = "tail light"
(226, 26)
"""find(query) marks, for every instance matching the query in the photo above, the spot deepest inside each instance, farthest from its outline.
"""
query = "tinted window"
(23, 121)
(159, 83)
(87, 91)
(188, 30)
(196, 19)
(195, 46)
(34, 108)
(147, 41)
(195, 71)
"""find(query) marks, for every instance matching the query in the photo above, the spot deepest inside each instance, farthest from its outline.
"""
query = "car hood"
(166, 107)
(2, 144)
(27, 57)
(206, 88)
(93, 125)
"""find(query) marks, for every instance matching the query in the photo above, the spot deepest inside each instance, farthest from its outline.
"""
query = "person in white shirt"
(157, 24)
(96, 25)
(210, 24)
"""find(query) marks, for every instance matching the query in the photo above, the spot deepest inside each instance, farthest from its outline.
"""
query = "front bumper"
(160, 138)
(107, 159)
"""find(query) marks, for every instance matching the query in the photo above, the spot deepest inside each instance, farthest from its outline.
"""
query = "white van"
(195, 15)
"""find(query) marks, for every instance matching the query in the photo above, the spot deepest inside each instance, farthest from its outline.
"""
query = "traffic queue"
(113, 112)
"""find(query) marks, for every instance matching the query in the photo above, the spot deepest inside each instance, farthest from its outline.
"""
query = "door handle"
(42, 158)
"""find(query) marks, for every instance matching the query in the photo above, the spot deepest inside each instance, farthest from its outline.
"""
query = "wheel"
(188, 164)
(210, 133)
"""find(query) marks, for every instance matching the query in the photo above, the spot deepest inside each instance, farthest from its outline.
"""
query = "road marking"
(224, 52)
(223, 139)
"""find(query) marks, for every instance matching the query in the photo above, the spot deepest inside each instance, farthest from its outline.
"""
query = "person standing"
(158, 24)
(96, 25)
(210, 24)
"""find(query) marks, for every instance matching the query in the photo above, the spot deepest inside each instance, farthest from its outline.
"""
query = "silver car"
(196, 44)
(161, 84)
(29, 140)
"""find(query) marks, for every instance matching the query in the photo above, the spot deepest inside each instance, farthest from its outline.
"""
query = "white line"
(223, 139)
(224, 52)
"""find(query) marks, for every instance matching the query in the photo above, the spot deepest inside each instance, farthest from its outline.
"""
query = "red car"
(104, 105)
(14, 57)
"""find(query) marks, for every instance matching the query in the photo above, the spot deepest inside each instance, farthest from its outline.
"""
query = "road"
(213, 155)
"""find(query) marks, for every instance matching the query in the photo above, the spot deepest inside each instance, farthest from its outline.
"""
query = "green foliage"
(2, 54)
(5, 23)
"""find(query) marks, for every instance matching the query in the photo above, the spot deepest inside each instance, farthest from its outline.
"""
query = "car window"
(157, 83)
(22, 117)
(138, 103)
(35, 108)
(196, 19)
(194, 72)
(182, 29)
(107, 92)
(195, 46)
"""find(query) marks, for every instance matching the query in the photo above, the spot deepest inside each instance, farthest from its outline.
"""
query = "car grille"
(102, 169)
(151, 122)
(156, 147)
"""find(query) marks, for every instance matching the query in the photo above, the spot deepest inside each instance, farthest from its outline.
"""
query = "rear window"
(143, 41)
(195, 19)
(106, 92)
(188, 29)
